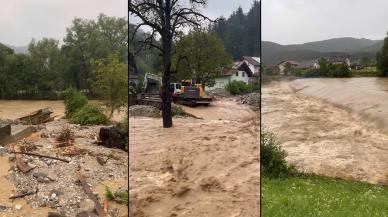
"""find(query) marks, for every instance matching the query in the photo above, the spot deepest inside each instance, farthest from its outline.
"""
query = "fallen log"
(89, 193)
(37, 117)
(22, 195)
(40, 155)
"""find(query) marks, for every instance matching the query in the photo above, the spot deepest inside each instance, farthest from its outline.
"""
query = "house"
(246, 70)
(282, 66)
(253, 64)
(335, 61)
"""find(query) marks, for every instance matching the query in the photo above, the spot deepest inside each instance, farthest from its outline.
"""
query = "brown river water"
(12, 109)
(199, 167)
(367, 97)
(331, 127)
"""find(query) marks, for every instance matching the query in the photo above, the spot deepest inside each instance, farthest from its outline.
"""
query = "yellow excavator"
(188, 92)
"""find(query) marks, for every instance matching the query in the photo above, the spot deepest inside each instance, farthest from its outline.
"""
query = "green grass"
(317, 196)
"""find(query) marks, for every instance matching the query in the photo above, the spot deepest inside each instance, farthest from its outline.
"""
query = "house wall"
(220, 83)
(240, 77)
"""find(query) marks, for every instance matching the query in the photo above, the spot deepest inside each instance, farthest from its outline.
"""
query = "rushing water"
(325, 139)
(367, 97)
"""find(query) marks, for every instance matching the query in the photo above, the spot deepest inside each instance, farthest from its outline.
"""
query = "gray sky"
(22, 20)
(217, 8)
(299, 21)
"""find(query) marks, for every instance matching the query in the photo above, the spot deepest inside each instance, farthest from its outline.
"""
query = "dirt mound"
(252, 99)
(144, 111)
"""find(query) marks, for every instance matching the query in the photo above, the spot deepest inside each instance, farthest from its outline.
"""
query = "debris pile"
(144, 110)
(61, 168)
(252, 99)
(219, 94)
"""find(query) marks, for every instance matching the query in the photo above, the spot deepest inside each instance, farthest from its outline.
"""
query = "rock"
(3, 208)
(11, 157)
(44, 135)
(18, 207)
(101, 160)
(54, 214)
(32, 165)
(87, 205)
(85, 214)
(41, 177)
(53, 195)
(3, 151)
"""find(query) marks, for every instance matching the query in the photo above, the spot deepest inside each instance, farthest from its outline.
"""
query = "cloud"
(22, 20)
(299, 21)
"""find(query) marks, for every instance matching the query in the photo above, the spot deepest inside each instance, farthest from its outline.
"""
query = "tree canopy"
(202, 55)
(51, 66)
(241, 32)
(382, 58)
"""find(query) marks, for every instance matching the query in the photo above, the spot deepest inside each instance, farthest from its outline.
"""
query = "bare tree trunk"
(167, 43)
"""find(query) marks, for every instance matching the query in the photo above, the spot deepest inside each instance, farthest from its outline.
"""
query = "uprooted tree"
(166, 18)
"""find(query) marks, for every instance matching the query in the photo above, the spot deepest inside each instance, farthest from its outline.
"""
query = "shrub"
(89, 114)
(273, 158)
(238, 88)
(73, 100)
(177, 110)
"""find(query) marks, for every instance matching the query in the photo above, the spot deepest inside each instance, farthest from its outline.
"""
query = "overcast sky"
(217, 8)
(22, 20)
(299, 21)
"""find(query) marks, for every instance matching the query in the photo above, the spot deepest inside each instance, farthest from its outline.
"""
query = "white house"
(253, 64)
(243, 70)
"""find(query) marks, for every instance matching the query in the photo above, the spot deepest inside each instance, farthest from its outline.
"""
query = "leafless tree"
(166, 19)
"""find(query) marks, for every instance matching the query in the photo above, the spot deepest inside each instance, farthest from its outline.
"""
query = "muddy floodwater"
(199, 167)
(12, 109)
(367, 97)
(331, 127)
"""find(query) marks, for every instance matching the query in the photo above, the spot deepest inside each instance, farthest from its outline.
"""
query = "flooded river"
(367, 97)
(12, 109)
(199, 167)
(321, 124)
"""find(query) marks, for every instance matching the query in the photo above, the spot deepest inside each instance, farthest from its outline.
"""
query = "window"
(237, 73)
(243, 74)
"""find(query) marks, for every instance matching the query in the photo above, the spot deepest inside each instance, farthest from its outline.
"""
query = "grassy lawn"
(320, 196)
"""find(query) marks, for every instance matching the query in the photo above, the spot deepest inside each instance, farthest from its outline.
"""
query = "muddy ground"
(322, 138)
(62, 194)
(199, 167)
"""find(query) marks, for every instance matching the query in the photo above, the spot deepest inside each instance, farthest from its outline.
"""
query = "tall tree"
(241, 32)
(382, 59)
(110, 81)
(166, 18)
(46, 61)
(93, 39)
(202, 55)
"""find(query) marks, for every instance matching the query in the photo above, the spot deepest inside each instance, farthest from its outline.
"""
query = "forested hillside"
(240, 32)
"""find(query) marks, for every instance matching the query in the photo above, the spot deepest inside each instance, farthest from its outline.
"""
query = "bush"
(89, 114)
(238, 88)
(73, 100)
(273, 158)
(177, 110)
